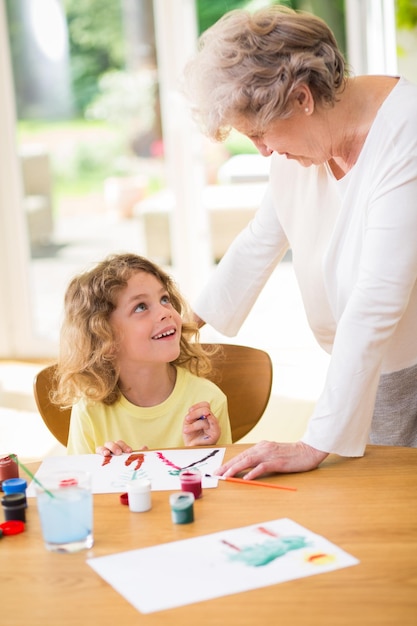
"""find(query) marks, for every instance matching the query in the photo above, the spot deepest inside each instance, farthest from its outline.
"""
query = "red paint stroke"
(230, 545)
(265, 531)
(106, 460)
(167, 461)
(319, 555)
(135, 457)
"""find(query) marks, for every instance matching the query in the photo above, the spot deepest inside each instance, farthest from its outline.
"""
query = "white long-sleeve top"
(354, 247)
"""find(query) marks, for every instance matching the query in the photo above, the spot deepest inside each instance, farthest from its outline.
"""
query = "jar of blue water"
(65, 506)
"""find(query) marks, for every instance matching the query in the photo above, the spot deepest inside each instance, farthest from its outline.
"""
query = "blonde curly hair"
(87, 365)
(250, 64)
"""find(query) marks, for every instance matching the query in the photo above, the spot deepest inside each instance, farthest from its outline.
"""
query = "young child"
(128, 367)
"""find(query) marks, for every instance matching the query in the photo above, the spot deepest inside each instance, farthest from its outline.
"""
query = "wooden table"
(366, 506)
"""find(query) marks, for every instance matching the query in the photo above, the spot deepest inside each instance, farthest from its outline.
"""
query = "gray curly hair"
(251, 64)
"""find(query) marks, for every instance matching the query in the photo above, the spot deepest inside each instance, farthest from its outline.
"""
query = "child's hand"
(201, 427)
(116, 448)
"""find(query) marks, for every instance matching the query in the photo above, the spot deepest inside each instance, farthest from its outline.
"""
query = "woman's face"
(145, 322)
(301, 137)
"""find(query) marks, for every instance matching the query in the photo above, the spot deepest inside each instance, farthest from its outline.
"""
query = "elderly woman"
(343, 196)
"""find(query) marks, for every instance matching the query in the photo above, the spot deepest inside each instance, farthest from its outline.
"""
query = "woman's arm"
(243, 271)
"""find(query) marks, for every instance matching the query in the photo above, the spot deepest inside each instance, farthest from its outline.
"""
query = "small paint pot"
(12, 527)
(190, 480)
(15, 485)
(124, 498)
(14, 507)
(139, 495)
(8, 468)
(182, 507)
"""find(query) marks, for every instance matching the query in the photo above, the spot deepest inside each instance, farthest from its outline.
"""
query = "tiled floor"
(276, 324)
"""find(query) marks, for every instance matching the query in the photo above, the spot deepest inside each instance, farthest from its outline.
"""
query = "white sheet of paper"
(161, 467)
(184, 572)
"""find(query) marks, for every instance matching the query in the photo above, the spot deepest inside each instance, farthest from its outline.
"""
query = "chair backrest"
(56, 419)
(244, 374)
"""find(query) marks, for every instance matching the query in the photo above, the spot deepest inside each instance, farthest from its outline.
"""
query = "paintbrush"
(256, 483)
(32, 476)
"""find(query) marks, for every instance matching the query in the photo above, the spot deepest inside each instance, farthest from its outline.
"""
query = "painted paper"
(161, 467)
(220, 564)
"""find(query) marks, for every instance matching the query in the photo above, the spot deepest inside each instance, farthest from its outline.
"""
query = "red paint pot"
(8, 468)
(190, 479)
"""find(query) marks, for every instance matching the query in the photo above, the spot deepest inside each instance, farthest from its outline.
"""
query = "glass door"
(79, 107)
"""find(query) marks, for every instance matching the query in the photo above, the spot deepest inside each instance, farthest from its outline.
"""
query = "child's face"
(146, 323)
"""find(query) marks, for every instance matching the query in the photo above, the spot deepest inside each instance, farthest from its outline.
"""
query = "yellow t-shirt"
(157, 426)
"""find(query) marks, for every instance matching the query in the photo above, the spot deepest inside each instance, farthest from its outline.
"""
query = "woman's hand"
(201, 427)
(116, 448)
(267, 457)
